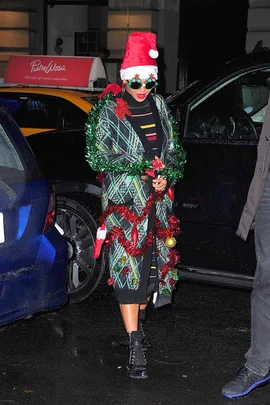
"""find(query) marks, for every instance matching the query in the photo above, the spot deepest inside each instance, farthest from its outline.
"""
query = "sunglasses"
(137, 84)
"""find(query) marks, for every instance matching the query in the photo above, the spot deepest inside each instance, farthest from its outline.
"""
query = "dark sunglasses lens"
(135, 85)
(150, 85)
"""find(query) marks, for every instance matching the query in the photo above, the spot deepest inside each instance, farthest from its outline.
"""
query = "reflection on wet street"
(73, 356)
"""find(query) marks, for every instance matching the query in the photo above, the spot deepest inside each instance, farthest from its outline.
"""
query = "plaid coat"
(120, 142)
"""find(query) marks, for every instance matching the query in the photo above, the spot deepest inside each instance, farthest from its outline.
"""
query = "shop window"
(14, 19)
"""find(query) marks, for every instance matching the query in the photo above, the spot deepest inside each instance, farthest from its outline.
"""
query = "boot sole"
(258, 384)
(142, 377)
(139, 377)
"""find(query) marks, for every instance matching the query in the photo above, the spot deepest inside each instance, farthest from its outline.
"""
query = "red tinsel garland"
(127, 213)
(129, 246)
(174, 259)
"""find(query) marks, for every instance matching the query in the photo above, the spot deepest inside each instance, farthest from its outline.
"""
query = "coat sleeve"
(106, 147)
(176, 156)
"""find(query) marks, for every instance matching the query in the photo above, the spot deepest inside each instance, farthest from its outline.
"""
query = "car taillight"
(51, 213)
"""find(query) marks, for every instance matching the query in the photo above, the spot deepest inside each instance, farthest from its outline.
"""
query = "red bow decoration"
(155, 166)
(121, 110)
(111, 88)
(100, 177)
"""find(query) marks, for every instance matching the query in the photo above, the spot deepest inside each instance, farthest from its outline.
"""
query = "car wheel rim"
(80, 248)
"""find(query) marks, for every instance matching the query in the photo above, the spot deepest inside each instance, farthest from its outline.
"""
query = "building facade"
(101, 28)
(21, 28)
(258, 24)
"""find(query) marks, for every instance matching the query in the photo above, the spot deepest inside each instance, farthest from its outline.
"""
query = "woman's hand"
(159, 183)
(159, 161)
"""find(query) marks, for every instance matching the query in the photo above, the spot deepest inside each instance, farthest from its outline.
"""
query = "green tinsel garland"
(133, 169)
(179, 157)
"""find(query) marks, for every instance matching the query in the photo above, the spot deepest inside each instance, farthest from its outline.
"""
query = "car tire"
(76, 218)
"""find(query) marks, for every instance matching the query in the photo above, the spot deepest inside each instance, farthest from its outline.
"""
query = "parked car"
(44, 92)
(61, 155)
(40, 107)
(220, 120)
(33, 255)
(45, 109)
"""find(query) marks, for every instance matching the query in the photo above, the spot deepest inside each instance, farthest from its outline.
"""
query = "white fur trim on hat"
(153, 54)
(143, 71)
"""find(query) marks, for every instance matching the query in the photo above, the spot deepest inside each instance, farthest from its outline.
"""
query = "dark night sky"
(212, 32)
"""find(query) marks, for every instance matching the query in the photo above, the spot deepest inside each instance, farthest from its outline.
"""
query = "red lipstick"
(141, 96)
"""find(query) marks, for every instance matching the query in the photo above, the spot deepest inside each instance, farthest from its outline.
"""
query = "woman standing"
(131, 140)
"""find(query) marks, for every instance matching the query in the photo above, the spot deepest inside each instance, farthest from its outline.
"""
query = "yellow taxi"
(44, 93)
(40, 109)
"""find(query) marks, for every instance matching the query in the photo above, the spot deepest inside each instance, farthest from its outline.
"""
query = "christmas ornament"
(165, 291)
(170, 193)
(126, 270)
(110, 281)
(100, 238)
(174, 258)
(117, 268)
(134, 235)
(170, 242)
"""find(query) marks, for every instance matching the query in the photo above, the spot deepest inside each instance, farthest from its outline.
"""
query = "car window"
(31, 111)
(11, 165)
(39, 111)
(233, 111)
(72, 116)
(17, 160)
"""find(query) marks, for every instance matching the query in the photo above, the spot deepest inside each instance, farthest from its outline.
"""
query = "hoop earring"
(123, 89)
(154, 92)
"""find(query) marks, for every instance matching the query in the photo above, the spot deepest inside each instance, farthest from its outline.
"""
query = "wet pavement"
(73, 356)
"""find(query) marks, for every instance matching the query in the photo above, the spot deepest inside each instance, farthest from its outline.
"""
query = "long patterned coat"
(115, 147)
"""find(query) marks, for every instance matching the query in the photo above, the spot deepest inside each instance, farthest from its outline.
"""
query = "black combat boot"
(145, 341)
(137, 361)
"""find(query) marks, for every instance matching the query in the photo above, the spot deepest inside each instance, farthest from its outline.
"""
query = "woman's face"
(141, 93)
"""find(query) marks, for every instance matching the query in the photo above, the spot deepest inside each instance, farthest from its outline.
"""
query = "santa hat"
(140, 56)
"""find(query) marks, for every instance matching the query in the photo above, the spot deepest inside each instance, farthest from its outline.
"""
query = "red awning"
(54, 71)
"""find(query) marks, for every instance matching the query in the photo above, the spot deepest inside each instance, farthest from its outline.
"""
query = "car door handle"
(2, 229)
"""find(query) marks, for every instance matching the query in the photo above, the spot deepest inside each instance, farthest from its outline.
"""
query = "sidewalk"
(73, 356)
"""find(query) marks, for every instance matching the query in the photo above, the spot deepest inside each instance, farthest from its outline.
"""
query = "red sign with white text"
(48, 71)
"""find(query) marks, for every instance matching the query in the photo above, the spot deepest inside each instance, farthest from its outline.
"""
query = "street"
(73, 356)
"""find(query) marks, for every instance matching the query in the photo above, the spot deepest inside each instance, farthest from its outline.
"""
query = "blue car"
(33, 255)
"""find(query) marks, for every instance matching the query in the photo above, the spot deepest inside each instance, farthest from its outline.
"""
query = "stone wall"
(21, 29)
(258, 23)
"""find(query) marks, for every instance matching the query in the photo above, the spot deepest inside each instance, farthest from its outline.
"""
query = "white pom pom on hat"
(140, 56)
(153, 54)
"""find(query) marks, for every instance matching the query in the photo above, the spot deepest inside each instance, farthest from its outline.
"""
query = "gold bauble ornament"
(170, 242)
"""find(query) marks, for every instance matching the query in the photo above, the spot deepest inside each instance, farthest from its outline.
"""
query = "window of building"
(14, 35)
